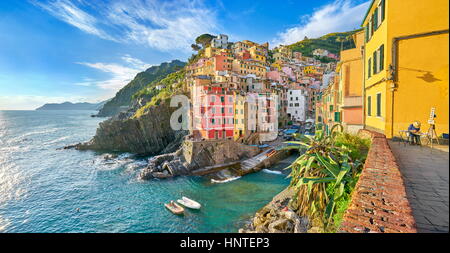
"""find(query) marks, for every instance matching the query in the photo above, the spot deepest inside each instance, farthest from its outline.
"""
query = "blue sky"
(81, 50)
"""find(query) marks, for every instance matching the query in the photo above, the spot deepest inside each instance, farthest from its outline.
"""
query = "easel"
(431, 133)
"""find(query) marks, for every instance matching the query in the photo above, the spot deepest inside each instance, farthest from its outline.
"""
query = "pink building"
(277, 76)
(330, 55)
(212, 112)
(274, 75)
(289, 72)
(222, 62)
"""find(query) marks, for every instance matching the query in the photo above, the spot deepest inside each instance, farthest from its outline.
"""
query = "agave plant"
(320, 175)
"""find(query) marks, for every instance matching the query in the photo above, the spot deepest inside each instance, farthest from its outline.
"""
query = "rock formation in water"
(148, 134)
(277, 217)
(195, 155)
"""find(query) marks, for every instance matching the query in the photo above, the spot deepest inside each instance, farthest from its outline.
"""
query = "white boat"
(189, 203)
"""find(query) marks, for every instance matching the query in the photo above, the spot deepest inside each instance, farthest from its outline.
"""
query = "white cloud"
(339, 16)
(71, 14)
(120, 74)
(163, 25)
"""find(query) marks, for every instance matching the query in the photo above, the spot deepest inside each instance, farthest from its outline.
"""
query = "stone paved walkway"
(426, 176)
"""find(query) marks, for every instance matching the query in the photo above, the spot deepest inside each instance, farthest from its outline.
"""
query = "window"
(212, 121)
(369, 106)
(374, 57)
(337, 117)
(381, 54)
(213, 110)
(222, 110)
(222, 99)
(213, 99)
(375, 19)
(382, 9)
(230, 110)
(379, 105)
(230, 99)
(369, 68)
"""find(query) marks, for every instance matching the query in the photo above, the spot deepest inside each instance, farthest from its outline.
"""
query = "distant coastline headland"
(72, 106)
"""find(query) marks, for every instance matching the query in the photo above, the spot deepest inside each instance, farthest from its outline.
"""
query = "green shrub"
(325, 175)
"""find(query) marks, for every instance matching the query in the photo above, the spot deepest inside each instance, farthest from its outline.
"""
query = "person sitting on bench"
(414, 133)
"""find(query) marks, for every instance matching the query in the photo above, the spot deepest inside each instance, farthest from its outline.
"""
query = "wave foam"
(225, 180)
(272, 171)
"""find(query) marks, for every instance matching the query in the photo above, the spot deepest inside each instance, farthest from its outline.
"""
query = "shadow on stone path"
(426, 176)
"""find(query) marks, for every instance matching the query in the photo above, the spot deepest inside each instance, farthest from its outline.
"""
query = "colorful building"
(350, 100)
(406, 65)
(245, 67)
(282, 53)
(212, 112)
(310, 69)
(240, 129)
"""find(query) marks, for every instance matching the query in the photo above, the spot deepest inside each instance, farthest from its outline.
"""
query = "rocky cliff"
(148, 134)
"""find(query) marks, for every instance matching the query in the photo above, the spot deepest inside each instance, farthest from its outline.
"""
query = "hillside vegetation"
(172, 84)
(124, 97)
(331, 42)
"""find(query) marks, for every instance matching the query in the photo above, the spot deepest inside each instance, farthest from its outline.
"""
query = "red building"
(212, 112)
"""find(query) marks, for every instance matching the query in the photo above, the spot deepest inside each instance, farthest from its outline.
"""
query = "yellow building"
(282, 53)
(309, 69)
(207, 69)
(239, 116)
(277, 64)
(406, 65)
(212, 51)
(245, 67)
(258, 53)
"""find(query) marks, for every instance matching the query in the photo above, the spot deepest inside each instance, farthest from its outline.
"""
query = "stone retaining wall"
(379, 203)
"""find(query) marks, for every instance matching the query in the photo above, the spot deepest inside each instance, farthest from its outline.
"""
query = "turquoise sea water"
(46, 189)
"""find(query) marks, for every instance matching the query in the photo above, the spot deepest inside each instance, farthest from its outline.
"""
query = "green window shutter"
(375, 19)
(331, 108)
(337, 117)
(369, 69)
(366, 28)
(379, 104)
(369, 106)
(383, 9)
(374, 57)
(373, 26)
(381, 57)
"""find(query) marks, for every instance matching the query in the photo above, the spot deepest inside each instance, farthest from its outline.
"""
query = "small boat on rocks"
(174, 208)
(189, 203)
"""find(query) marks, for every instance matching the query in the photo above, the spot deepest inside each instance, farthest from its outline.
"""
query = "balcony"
(352, 102)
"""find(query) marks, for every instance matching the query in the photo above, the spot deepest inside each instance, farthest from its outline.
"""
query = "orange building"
(349, 90)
